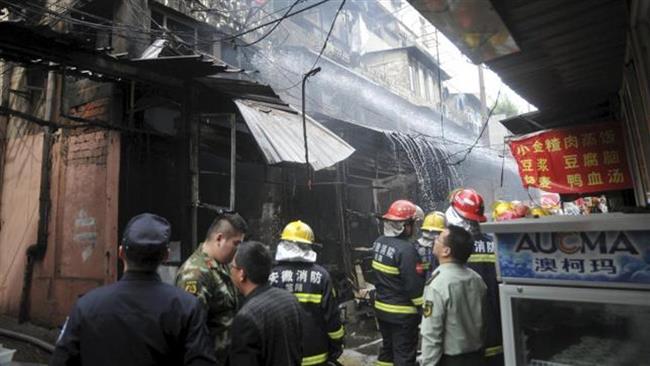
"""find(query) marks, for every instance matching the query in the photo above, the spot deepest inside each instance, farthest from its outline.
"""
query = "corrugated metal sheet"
(279, 134)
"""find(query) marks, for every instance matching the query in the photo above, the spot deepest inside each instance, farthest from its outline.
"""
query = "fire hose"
(29, 339)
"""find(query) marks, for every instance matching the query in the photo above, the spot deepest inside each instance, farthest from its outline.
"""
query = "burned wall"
(82, 251)
(18, 214)
(82, 224)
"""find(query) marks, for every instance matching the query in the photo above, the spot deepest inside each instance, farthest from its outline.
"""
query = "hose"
(24, 337)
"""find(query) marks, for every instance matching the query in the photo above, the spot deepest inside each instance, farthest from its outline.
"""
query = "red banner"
(573, 160)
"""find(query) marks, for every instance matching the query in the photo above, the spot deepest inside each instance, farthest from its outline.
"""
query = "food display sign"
(581, 159)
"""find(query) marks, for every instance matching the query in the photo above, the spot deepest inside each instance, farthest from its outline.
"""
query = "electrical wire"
(275, 26)
(485, 123)
(240, 34)
(276, 22)
(146, 35)
(327, 38)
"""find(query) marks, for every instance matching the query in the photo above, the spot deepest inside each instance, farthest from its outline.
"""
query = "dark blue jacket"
(322, 329)
(138, 320)
(483, 262)
(399, 279)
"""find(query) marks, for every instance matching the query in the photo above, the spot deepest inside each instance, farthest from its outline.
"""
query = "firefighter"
(467, 211)
(297, 272)
(432, 225)
(399, 280)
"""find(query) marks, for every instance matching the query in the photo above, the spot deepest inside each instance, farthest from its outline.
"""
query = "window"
(412, 78)
(430, 90)
(422, 82)
(193, 36)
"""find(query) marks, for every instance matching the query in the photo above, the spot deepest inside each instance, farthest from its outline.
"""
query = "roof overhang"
(472, 25)
(570, 63)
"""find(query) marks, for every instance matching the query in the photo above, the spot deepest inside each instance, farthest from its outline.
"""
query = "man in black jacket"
(138, 320)
(399, 279)
(267, 330)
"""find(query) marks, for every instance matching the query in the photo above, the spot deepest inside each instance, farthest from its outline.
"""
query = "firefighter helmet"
(469, 204)
(435, 221)
(419, 213)
(299, 232)
(400, 210)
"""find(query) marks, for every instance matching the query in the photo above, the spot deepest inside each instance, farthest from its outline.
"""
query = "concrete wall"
(390, 69)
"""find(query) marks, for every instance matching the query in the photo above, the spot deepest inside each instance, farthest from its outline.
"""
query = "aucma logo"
(571, 243)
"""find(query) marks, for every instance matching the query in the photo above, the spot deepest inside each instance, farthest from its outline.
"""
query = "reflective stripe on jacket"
(322, 329)
(482, 261)
(399, 279)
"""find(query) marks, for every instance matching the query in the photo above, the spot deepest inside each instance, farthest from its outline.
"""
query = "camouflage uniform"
(210, 281)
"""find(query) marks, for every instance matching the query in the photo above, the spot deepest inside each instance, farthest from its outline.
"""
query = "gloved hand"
(335, 351)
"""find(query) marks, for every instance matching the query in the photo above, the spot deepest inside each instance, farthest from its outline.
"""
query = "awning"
(278, 132)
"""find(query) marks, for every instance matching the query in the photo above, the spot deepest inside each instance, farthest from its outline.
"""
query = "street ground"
(26, 352)
(362, 342)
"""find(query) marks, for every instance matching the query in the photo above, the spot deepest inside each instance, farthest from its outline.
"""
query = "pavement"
(362, 343)
(26, 353)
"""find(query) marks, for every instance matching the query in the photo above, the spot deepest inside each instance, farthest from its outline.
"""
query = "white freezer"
(562, 326)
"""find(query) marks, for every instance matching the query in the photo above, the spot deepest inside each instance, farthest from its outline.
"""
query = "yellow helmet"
(435, 221)
(299, 232)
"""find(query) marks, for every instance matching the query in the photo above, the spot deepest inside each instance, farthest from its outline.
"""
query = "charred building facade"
(111, 109)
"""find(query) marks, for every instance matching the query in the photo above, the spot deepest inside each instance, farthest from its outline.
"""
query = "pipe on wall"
(36, 252)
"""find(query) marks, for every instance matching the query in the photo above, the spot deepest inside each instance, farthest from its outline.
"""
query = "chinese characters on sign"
(573, 160)
(594, 256)
(579, 266)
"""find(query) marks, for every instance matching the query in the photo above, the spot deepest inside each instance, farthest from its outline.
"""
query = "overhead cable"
(327, 38)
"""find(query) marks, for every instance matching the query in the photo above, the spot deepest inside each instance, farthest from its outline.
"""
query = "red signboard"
(573, 160)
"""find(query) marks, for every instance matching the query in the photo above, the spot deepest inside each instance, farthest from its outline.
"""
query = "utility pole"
(309, 74)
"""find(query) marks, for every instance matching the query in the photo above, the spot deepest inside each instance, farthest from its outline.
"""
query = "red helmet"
(400, 210)
(468, 204)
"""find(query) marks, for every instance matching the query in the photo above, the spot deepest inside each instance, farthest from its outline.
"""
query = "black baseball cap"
(147, 232)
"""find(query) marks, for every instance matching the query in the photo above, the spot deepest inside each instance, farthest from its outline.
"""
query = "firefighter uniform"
(322, 328)
(425, 252)
(399, 280)
(467, 210)
(311, 284)
(483, 262)
(432, 225)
